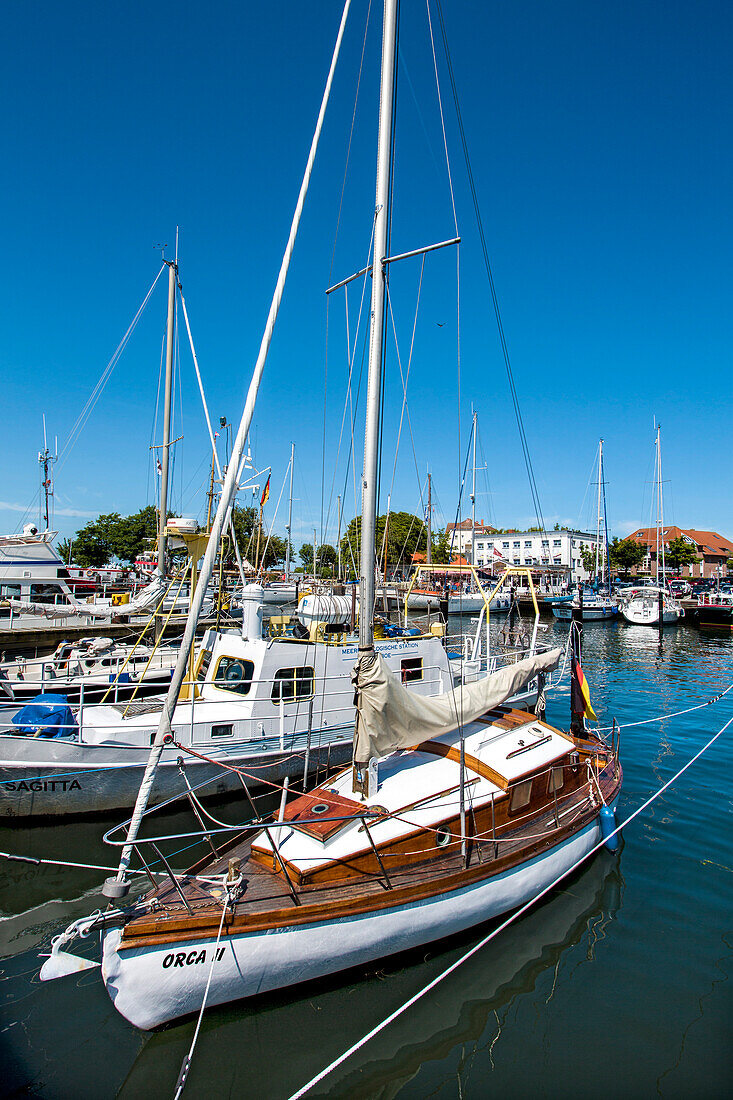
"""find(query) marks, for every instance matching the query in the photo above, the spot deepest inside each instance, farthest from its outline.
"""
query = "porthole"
(442, 836)
(319, 808)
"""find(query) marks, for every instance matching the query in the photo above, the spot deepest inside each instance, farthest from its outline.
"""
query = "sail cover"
(392, 717)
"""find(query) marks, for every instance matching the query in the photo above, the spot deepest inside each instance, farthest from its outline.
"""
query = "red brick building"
(712, 549)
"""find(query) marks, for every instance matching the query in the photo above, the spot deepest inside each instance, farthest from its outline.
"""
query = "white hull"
(642, 616)
(42, 777)
(564, 612)
(457, 605)
(151, 985)
(642, 609)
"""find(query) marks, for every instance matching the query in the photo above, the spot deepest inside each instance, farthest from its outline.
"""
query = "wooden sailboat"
(457, 808)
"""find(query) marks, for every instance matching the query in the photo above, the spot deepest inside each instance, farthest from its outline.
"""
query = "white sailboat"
(594, 605)
(436, 828)
(643, 605)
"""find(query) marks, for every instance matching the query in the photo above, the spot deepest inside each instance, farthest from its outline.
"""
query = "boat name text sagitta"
(44, 785)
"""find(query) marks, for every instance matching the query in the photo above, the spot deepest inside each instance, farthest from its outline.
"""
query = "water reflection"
(280, 1041)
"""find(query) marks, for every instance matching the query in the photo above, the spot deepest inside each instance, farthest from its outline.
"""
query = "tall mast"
(376, 335)
(598, 512)
(660, 513)
(290, 510)
(429, 557)
(167, 408)
(45, 459)
(338, 537)
(473, 496)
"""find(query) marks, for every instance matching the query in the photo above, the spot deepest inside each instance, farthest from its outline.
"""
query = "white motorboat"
(90, 668)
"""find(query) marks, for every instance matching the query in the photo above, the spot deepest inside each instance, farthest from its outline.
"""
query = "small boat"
(592, 607)
(714, 611)
(593, 604)
(90, 668)
(641, 605)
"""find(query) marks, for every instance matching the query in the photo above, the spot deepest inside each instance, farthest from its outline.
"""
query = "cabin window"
(225, 730)
(204, 662)
(411, 669)
(555, 780)
(234, 674)
(45, 593)
(520, 796)
(10, 590)
(442, 836)
(293, 683)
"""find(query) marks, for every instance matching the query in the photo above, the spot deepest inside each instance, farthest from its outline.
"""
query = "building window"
(505, 545)
(516, 545)
(293, 683)
(556, 542)
(411, 669)
(545, 542)
(234, 674)
(527, 544)
(479, 546)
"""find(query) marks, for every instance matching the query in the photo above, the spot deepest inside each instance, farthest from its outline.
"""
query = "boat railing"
(560, 797)
(292, 708)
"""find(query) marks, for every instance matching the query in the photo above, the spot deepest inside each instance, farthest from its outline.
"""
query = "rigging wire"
(330, 272)
(490, 275)
(104, 378)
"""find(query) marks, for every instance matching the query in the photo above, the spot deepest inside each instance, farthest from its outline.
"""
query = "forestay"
(390, 717)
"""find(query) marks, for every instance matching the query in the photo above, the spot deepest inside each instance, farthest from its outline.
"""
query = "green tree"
(626, 554)
(441, 554)
(131, 534)
(94, 543)
(679, 552)
(244, 521)
(64, 550)
(272, 551)
(326, 559)
(406, 535)
(306, 556)
(588, 558)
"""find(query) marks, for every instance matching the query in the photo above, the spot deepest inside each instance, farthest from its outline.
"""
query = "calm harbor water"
(618, 984)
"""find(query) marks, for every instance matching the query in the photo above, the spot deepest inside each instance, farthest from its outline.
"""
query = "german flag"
(581, 703)
(265, 493)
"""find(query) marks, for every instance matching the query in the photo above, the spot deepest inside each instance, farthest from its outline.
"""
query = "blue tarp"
(47, 715)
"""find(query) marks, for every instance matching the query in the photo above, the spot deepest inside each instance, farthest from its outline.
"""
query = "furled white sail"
(392, 717)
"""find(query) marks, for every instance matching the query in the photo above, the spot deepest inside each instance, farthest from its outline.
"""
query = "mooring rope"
(505, 924)
(186, 1064)
(664, 717)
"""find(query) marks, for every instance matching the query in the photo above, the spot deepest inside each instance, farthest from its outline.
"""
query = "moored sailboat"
(457, 808)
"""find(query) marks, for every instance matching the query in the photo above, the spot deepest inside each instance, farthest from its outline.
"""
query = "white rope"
(505, 924)
(664, 717)
(186, 1065)
(104, 378)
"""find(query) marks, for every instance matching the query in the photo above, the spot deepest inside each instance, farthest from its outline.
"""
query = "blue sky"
(600, 143)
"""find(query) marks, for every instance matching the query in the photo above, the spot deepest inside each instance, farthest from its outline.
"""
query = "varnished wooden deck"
(267, 901)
